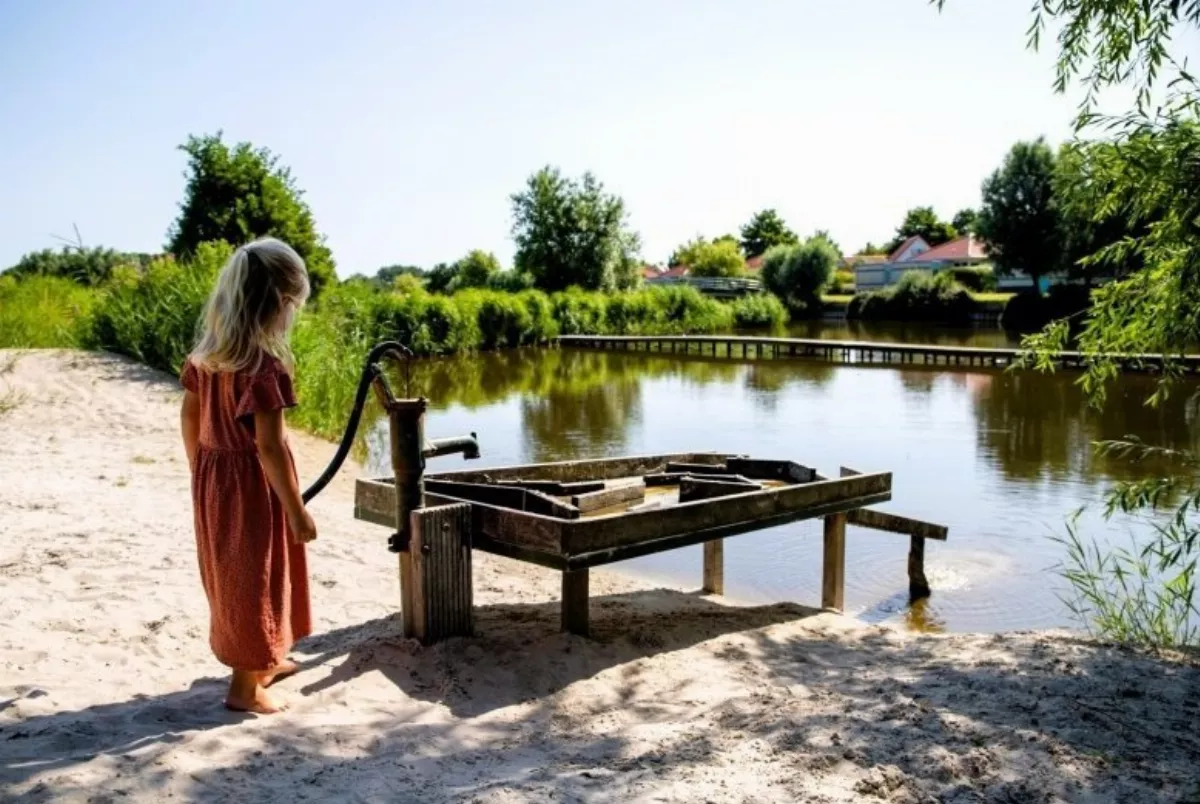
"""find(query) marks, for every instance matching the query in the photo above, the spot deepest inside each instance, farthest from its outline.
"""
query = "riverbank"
(109, 688)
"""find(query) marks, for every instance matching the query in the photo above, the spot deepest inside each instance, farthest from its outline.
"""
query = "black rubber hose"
(370, 371)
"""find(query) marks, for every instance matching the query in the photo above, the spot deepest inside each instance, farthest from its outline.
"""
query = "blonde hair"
(251, 310)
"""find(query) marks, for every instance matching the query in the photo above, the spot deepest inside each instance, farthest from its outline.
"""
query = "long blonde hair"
(250, 311)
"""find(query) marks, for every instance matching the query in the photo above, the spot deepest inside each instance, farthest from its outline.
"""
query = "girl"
(251, 524)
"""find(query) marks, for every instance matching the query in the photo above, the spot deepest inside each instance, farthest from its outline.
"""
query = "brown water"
(1000, 458)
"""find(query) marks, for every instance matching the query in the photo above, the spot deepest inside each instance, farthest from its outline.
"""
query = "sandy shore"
(108, 691)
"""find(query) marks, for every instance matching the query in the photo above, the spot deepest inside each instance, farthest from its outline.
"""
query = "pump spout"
(467, 445)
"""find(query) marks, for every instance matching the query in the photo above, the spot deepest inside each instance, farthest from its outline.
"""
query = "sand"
(108, 691)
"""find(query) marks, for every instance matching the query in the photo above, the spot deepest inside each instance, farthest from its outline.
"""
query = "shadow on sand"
(491, 716)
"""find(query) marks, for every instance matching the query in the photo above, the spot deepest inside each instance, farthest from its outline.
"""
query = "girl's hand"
(304, 529)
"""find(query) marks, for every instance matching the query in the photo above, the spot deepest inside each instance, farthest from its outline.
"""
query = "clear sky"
(410, 124)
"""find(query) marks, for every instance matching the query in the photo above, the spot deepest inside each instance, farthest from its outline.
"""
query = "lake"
(1001, 458)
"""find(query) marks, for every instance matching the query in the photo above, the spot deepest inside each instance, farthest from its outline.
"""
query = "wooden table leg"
(918, 585)
(575, 601)
(833, 577)
(714, 567)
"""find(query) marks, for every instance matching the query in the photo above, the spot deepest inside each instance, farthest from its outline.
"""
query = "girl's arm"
(189, 421)
(271, 439)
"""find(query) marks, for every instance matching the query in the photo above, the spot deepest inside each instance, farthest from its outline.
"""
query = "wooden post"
(575, 601)
(918, 586)
(441, 595)
(714, 567)
(407, 425)
(833, 580)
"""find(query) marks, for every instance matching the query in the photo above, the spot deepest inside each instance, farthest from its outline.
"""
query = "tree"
(964, 221)
(685, 253)
(407, 284)
(797, 274)
(722, 258)
(238, 193)
(510, 281)
(870, 249)
(475, 269)
(923, 222)
(572, 233)
(765, 230)
(1089, 224)
(1018, 218)
(828, 238)
(87, 266)
(386, 276)
(441, 277)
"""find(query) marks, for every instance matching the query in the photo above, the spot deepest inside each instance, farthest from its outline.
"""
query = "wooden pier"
(850, 352)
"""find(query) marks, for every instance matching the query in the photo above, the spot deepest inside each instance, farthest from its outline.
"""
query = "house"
(915, 254)
(650, 272)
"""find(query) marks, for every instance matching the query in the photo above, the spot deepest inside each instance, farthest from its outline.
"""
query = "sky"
(409, 125)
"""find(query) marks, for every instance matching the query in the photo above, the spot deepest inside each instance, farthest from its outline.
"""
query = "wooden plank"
(697, 488)
(786, 503)
(554, 487)
(608, 555)
(582, 470)
(759, 469)
(518, 499)
(714, 567)
(892, 523)
(594, 501)
(833, 565)
(441, 602)
(575, 601)
(678, 467)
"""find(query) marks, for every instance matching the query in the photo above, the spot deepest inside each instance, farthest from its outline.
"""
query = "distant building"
(914, 254)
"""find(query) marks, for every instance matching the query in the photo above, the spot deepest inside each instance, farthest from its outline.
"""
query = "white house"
(914, 254)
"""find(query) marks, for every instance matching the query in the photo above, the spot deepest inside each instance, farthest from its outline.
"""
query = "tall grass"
(151, 315)
(43, 312)
(1145, 595)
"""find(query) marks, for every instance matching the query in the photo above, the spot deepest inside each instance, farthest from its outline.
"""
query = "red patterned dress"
(255, 577)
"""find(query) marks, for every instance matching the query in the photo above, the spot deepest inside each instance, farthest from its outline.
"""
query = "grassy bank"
(150, 313)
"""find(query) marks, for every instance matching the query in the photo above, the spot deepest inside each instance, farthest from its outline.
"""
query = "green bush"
(797, 274)
(579, 312)
(977, 280)
(761, 311)
(152, 315)
(918, 296)
(44, 312)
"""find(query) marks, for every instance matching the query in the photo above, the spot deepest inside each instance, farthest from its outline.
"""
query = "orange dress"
(255, 577)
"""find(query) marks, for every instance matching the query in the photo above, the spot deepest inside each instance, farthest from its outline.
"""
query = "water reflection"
(1030, 426)
(1037, 426)
(984, 337)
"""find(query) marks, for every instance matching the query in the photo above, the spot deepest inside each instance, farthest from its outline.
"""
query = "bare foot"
(246, 694)
(259, 702)
(281, 671)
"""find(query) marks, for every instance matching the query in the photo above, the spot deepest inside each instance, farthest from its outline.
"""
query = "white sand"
(108, 691)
